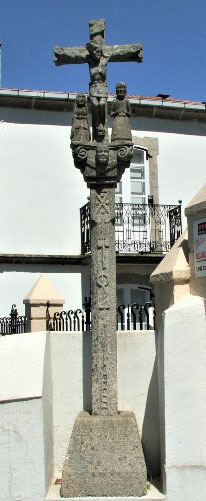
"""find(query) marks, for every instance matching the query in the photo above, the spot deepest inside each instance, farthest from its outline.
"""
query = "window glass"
(120, 297)
(137, 296)
(119, 188)
(118, 199)
(137, 187)
(138, 157)
(137, 172)
(137, 200)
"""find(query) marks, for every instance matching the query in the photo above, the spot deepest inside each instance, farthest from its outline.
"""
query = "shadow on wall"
(87, 371)
(151, 427)
(38, 117)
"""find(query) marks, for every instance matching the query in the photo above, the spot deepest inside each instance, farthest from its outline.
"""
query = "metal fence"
(134, 317)
(14, 324)
(140, 228)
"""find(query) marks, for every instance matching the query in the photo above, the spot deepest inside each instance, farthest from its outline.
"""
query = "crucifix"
(105, 456)
(97, 54)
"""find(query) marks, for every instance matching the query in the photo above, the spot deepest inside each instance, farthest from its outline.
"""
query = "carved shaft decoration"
(103, 294)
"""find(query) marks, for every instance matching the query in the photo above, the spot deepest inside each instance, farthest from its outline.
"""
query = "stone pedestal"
(36, 304)
(104, 458)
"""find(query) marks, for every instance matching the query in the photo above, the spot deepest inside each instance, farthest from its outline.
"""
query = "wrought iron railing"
(71, 320)
(140, 228)
(134, 317)
(14, 324)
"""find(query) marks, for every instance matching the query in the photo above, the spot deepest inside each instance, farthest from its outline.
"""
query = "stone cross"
(102, 168)
(104, 456)
(97, 54)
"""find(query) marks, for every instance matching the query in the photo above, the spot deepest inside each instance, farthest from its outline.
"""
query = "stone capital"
(102, 163)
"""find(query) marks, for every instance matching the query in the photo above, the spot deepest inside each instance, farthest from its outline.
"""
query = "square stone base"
(104, 458)
(153, 494)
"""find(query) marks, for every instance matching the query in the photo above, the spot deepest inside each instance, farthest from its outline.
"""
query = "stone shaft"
(103, 301)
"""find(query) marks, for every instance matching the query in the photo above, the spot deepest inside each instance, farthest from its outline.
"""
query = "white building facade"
(42, 192)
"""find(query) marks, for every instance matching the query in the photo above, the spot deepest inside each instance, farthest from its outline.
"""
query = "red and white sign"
(199, 231)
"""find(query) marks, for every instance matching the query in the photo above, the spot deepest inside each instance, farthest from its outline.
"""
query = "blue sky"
(173, 33)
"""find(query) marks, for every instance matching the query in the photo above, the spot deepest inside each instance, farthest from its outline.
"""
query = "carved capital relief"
(102, 167)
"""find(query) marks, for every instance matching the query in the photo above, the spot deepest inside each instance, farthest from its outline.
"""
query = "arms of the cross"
(113, 53)
(70, 55)
(121, 53)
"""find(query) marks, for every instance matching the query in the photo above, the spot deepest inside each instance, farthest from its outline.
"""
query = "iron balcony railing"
(14, 324)
(134, 317)
(140, 228)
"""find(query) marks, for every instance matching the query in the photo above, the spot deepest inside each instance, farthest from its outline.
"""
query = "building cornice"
(153, 107)
(36, 259)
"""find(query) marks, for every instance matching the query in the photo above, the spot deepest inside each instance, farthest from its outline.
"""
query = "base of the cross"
(104, 458)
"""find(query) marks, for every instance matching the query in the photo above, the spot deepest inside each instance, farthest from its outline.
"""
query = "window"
(129, 294)
(134, 186)
(131, 195)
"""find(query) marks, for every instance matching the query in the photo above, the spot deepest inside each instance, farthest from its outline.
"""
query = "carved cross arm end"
(70, 55)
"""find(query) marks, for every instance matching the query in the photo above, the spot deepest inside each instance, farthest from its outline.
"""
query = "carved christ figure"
(97, 55)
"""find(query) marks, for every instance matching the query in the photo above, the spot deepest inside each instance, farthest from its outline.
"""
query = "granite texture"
(121, 113)
(104, 458)
(103, 297)
(80, 123)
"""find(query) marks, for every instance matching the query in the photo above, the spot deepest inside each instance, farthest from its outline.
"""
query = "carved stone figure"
(121, 112)
(97, 54)
(102, 154)
(98, 89)
(80, 123)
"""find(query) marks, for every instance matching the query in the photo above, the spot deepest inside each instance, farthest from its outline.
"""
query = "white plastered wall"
(182, 383)
(22, 452)
(50, 376)
(41, 190)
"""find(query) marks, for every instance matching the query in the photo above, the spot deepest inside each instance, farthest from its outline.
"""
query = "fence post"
(36, 304)
(13, 315)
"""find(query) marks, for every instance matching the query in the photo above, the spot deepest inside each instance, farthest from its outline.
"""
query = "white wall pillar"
(182, 378)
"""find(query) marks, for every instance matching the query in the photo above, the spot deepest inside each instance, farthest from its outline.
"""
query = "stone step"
(152, 495)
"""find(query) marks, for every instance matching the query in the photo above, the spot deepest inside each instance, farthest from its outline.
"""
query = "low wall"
(45, 383)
